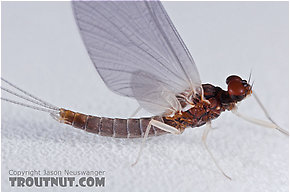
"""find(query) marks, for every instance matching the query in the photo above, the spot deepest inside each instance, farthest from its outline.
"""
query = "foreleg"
(260, 122)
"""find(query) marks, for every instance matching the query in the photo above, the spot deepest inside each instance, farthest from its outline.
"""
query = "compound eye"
(236, 88)
(233, 78)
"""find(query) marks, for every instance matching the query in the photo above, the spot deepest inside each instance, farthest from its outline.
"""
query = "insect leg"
(161, 126)
(143, 142)
(165, 127)
(267, 114)
(204, 137)
(260, 122)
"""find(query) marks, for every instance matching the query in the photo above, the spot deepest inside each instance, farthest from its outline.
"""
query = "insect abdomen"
(118, 128)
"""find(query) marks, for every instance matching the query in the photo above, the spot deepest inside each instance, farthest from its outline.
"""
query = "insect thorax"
(201, 110)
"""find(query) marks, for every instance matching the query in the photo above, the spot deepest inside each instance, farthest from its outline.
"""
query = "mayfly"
(139, 54)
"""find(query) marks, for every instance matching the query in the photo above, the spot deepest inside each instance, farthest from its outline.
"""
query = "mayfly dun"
(138, 53)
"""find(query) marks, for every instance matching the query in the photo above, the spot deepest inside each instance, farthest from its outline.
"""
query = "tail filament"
(39, 104)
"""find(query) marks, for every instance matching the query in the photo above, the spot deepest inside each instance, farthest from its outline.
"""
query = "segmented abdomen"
(119, 128)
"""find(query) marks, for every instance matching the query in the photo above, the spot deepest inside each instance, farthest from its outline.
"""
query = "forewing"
(124, 38)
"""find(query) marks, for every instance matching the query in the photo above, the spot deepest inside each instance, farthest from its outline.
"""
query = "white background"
(42, 52)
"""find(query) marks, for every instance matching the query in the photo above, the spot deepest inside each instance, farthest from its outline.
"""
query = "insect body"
(139, 54)
(199, 113)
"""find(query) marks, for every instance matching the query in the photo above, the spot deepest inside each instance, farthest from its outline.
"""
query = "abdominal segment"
(118, 128)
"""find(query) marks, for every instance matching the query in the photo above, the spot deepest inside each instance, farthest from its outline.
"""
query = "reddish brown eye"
(236, 88)
(232, 78)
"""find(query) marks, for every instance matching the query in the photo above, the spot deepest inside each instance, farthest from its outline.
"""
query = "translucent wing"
(137, 51)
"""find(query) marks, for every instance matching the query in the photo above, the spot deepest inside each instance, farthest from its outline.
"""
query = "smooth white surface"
(43, 53)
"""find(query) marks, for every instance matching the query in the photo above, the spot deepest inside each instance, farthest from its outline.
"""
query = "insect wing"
(137, 51)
